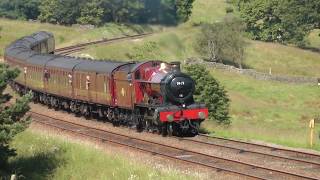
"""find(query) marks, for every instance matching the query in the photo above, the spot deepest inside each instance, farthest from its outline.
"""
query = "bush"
(209, 91)
(222, 42)
(11, 117)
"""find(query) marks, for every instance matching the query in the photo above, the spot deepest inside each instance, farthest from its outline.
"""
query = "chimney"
(176, 66)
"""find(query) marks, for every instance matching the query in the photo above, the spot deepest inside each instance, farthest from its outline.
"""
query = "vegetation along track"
(79, 47)
(234, 167)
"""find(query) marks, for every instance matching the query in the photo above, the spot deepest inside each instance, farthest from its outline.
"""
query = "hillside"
(177, 44)
(64, 36)
(260, 110)
(268, 111)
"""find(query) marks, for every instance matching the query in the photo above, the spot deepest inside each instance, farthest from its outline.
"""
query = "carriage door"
(88, 87)
(46, 77)
(91, 86)
(122, 89)
(25, 75)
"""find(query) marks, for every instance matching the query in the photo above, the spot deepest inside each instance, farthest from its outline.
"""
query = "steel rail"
(268, 148)
(243, 150)
(79, 47)
(245, 165)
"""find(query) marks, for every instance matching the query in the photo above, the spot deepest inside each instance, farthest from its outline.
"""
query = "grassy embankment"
(177, 44)
(12, 30)
(260, 110)
(269, 111)
(42, 156)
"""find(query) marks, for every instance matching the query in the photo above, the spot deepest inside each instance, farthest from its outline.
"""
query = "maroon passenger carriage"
(152, 95)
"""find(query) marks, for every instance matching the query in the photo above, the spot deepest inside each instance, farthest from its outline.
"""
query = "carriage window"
(43, 47)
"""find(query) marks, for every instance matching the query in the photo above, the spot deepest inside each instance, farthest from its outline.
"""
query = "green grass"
(171, 45)
(208, 11)
(284, 60)
(268, 111)
(46, 157)
(178, 44)
(314, 39)
(263, 110)
(14, 29)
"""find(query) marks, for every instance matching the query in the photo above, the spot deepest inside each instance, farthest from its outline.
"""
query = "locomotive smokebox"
(175, 66)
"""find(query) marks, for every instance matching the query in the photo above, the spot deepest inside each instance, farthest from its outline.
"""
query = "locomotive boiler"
(153, 95)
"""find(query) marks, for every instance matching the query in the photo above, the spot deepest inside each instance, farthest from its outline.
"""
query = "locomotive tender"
(151, 95)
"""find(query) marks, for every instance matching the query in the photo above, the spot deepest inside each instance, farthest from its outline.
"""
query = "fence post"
(311, 126)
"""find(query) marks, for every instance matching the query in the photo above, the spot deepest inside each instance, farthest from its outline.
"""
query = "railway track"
(234, 167)
(79, 47)
(252, 148)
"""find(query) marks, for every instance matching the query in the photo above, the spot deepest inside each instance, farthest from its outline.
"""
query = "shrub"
(223, 41)
(209, 91)
(11, 117)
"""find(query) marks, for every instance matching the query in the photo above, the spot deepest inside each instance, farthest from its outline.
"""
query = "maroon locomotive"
(152, 95)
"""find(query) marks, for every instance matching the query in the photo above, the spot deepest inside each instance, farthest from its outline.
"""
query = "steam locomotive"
(153, 95)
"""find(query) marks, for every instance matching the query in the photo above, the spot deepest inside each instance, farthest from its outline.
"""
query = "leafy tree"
(60, 11)
(19, 9)
(91, 13)
(122, 10)
(48, 10)
(222, 42)
(184, 9)
(209, 91)
(159, 11)
(168, 12)
(284, 21)
(11, 116)
(98, 11)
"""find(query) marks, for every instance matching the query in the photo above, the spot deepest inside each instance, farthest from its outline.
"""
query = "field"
(260, 110)
(268, 111)
(314, 39)
(12, 30)
(43, 156)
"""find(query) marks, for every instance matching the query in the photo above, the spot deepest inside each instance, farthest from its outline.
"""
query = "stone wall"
(255, 74)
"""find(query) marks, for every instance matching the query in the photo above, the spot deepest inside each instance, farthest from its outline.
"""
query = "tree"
(120, 11)
(19, 9)
(91, 13)
(223, 41)
(284, 21)
(11, 116)
(48, 11)
(209, 91)
(60, 11)
(184, 9)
